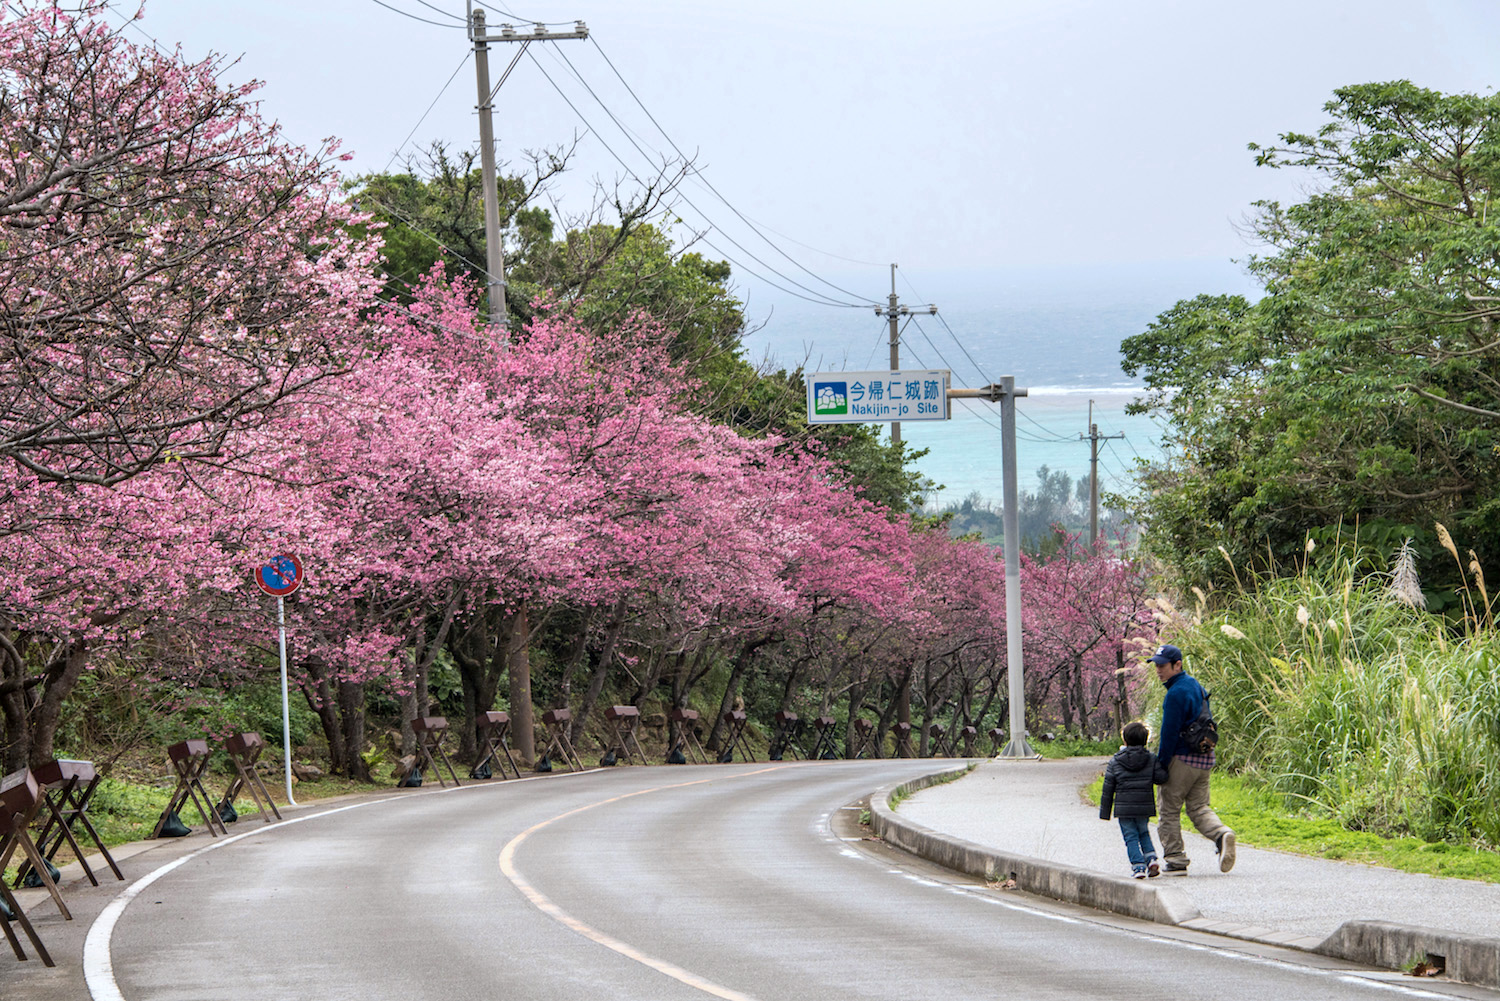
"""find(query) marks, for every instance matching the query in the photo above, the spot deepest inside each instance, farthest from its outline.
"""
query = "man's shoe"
(1175, 866)
(1152, 869)
(1226, 851)
(1139, 873)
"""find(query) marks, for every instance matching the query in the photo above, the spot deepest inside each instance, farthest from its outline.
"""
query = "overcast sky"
(944, 135)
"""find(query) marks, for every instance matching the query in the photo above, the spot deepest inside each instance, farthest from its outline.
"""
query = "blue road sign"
(281, 576)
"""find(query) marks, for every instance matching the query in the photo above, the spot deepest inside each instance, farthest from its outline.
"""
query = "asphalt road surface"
(735, 881)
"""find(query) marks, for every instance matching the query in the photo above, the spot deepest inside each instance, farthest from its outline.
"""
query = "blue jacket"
(1183, 703)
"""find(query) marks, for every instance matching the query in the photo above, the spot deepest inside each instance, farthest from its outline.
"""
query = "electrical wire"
(883, 339)
(445, 13)
(524, 20)
(406, 220)
(821, 299)
(943, 320)
(629, 136)
(462, 63)
(424, 20)
(698, 173)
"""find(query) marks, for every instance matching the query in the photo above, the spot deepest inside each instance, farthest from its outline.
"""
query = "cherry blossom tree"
(170, 267)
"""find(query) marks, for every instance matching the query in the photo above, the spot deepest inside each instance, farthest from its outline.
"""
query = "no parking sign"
(281, 576)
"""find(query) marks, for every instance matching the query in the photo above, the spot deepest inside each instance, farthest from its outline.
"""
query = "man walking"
(1188, 771)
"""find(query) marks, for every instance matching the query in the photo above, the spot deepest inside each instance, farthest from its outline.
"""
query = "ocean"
(1058, 331)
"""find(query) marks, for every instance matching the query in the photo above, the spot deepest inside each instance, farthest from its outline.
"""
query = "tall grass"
(1344, 698)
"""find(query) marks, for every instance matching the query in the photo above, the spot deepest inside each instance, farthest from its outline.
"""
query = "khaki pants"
(1185, 784)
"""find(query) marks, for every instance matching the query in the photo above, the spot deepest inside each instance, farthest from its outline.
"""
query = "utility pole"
(1094, 438)
(494, 252)
(892, 312)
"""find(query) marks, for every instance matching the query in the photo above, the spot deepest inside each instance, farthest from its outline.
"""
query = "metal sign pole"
(1017, 747)
(1005, 393)
(286, 706)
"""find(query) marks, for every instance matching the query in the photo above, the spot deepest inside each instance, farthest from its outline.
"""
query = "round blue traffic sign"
(280, 576)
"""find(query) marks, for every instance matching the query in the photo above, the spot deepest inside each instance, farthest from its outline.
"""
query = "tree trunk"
(731, 687)
(319, 692)
(352, 709)
(61, 676)
(518, 671)
(601, 672)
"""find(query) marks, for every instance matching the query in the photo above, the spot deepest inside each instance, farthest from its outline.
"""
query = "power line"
(699, 173)
(687, 167)
(424, 20)
(457, 17)
(462, 63)
(821, 300)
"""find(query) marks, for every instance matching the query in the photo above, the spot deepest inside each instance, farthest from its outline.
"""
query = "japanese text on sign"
(848, 397)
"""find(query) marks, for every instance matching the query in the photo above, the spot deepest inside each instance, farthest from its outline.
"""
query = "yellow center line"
(547, 907)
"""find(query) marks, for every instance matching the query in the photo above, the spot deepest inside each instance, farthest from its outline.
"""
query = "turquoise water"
(1056, 331)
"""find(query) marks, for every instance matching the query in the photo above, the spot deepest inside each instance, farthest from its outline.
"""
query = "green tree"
(1363, 387)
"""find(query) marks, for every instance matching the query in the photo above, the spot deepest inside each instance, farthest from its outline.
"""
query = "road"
(735, 881)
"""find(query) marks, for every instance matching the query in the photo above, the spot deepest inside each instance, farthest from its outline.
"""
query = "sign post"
(280, 577)
(857, 397)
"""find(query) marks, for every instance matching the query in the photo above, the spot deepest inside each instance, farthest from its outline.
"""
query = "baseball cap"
(1167, 654)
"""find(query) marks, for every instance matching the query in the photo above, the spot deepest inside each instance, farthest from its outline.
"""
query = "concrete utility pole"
(494, 252)
(1005, 393)
(1094, 438)
(893, 311)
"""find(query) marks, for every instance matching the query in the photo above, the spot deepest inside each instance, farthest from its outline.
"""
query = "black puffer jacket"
(1129, 782)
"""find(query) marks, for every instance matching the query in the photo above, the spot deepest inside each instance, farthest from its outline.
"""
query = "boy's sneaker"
(1152, 869)
(1226, 851)
(1175, 866)
(1139, 873)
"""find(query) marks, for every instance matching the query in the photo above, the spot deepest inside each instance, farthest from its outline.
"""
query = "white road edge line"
(987, 897)
(99, 967)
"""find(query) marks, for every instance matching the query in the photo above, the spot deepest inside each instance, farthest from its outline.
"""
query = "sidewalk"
(1035, 809)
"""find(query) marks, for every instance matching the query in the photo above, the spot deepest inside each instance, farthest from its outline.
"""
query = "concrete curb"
(1469, 959)
(1120, 895)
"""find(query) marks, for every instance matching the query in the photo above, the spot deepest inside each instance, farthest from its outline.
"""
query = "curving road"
(728, 881)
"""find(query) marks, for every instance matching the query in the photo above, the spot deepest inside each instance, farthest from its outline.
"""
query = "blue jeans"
(1138, 846)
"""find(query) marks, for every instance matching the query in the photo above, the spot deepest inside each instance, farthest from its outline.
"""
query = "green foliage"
(1074, 747)
(1046, 516)
(1358, 707)
(1264, 819)
(1362, 387)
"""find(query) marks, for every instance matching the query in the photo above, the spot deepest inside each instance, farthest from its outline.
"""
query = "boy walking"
(1129, 789)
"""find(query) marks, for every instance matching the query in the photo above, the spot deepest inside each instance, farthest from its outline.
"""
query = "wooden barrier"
(825, 748)
(969, 735)
(784, 740)
(430, 731)
(190, 760)
(557, 722)
(735, 721)
(623, 721)
(244, 750)
(67, 788)
(494, 736)
(864, 734)
(20, 798)
(687, 737)
(903, 740)
(941, 742)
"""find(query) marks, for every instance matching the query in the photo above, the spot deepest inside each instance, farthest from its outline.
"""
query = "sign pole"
(279, 578)
(1017, 747)
(1005, 393)
(286, 706)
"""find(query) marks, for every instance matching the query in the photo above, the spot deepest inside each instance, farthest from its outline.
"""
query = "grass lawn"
(1261, 820)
